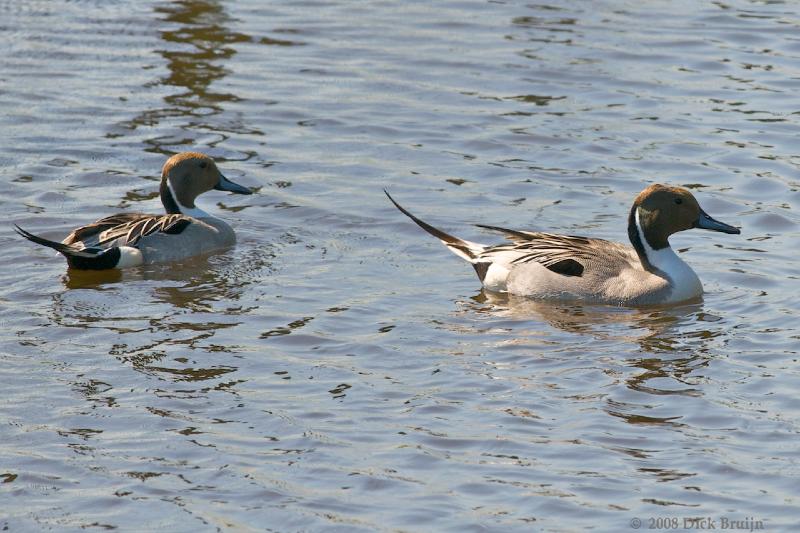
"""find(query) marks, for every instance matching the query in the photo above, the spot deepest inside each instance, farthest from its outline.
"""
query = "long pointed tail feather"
(65, 249)
(84, 259)
(467, 250)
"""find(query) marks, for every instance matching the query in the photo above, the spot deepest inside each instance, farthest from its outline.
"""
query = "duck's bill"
(227, 185)
(704, 221)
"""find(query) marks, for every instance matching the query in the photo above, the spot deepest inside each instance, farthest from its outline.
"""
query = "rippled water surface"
(339, 370)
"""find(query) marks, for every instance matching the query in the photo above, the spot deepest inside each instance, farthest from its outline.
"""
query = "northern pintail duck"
(130, 239)
(565, 267)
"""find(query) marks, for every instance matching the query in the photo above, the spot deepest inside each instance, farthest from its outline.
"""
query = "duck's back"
(104, 231)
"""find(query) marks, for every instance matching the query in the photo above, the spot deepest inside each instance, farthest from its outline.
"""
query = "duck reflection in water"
(166, 326)
(673, 341)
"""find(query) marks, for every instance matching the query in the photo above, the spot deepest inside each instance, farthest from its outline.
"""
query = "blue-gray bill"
(704, 221)
(227, 185)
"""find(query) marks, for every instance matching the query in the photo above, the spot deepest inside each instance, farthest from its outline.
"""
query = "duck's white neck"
(194, 212)
(685, 282)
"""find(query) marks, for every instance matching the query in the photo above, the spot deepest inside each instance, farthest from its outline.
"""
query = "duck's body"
(130, 239)
(610, 272)
(564, 267)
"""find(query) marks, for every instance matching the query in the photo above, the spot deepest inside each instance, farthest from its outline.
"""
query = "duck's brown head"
(187, 175)
(659, 211)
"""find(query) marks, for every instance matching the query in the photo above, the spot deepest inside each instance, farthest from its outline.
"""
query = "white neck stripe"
(664, 259)
(194, 212)
(685, 282)
(648, 251)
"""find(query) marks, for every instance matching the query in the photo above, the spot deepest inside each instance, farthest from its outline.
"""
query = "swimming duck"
(565, 267)
(130, 239)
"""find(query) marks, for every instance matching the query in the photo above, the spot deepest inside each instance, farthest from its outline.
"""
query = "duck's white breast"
(684, 283)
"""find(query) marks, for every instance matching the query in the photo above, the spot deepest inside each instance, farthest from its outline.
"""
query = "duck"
(555, 267)
(126, 240)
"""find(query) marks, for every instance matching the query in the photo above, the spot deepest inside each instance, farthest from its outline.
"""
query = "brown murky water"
(339, 370)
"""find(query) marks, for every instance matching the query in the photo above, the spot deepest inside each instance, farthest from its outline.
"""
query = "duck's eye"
(203, 164)
(679, 201)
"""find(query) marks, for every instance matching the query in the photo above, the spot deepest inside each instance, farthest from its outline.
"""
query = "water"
(339, 370)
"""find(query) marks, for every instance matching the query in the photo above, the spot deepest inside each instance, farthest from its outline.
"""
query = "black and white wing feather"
(127, 229)
(563, 254)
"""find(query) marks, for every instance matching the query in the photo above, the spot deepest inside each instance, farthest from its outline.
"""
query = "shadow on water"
(222, 270)
(673, 341)
(197, 44)
(166, 319)
(657, 323)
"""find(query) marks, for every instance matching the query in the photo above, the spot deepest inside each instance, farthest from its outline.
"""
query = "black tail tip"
(57, 246)
(24, 233)
(398, 206)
